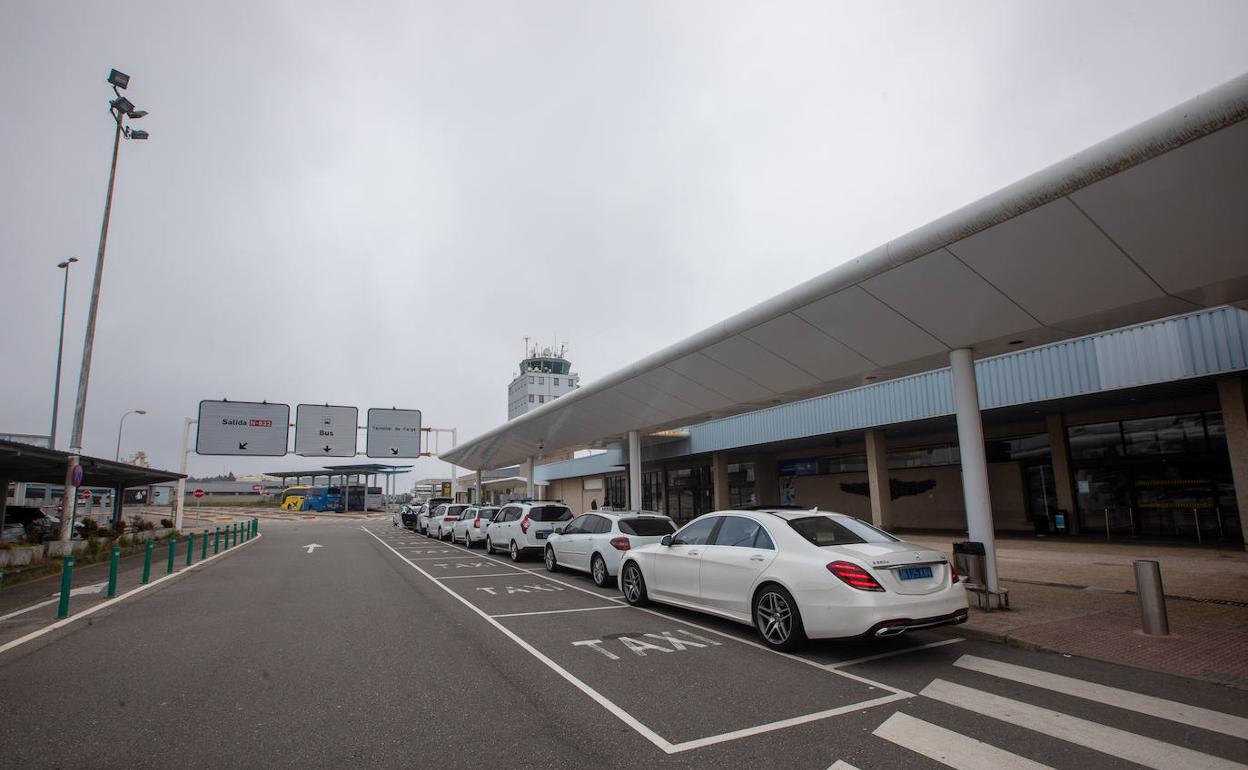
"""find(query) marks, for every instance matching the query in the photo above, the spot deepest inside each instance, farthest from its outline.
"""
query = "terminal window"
(556, 379)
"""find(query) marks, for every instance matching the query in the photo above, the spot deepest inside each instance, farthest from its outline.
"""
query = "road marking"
(949, 748)
(1108, 740)
(442, 558)
(558, 612)
(1193, 716)
(659, 741)
(856, 661)
(312, 547)
(841, 764)
(110, 602)
(470, 577)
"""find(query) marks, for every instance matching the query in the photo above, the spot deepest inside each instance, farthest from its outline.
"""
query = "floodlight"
(136, 114)
(137, 134)
(118, 79)
(62, 264)
(122, 105)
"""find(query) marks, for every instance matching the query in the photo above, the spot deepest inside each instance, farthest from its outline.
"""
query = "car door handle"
(756, 557)
(693, 553)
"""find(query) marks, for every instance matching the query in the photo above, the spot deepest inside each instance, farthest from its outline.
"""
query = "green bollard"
(1, 578)
(67, 581)
(190, 548)
(173, 550)
(255, 526)
(147, 560)
(216, 541)
(112, 571)
(203, 549)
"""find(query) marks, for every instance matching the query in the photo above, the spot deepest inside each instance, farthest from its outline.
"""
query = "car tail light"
(854, 576)
(524, 525)
(953, 574)
(476, 523)
(449, 518)
(620, 543)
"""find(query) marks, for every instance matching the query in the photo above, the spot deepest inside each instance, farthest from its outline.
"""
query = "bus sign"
(325, 431)
(242, 428)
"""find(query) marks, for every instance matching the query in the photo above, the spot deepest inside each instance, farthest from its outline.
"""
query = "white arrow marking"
(313, 546)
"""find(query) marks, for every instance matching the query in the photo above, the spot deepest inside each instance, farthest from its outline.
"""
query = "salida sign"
(242, 428)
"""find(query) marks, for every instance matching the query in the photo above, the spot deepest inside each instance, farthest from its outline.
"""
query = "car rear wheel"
(598, 571)
(514, 551)
(777, 620)
(552, 564)
(634, 585)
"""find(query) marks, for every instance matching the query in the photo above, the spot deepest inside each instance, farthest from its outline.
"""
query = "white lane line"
(949, 748)
(93, 588)
(628, 719)
(1092, 735)
(110, 602)
(441, 558)
(841, 764)
(856, 661)
(1193, 716)
(468, 577)
(559, 612)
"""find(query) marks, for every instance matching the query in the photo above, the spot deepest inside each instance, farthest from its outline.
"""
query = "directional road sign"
(325, 431)
(393, 433)
(242, 428)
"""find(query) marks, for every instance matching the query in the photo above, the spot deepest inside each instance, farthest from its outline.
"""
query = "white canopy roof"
(1149, 223)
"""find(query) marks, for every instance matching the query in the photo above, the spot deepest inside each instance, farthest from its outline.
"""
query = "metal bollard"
(113, 563)
(216, 540)
(1153, 620)
(190, 548)
(255, 526)
(67, 582)
(203, 548)
(173, 550)
(147, 560)
(1, 578)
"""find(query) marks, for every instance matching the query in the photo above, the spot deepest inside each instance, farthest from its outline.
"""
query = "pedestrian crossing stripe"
(948, 747)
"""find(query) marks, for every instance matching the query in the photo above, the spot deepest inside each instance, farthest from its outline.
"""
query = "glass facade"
(652, 490)
(741, 485)
(689, 493)
(617, 492)
(1165, 477)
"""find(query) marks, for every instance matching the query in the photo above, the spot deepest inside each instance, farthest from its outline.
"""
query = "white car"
(443, 518)
(594, 542)
(426, 510)
(795, 575)
(521, 528)
(471, 525)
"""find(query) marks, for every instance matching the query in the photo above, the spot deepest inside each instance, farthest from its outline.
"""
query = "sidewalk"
(1073, 598)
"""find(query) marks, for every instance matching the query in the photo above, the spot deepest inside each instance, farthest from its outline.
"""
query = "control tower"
(544, 376)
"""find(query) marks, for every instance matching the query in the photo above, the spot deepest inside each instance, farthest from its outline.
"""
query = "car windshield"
(550, 513)
(488, 513)
(647, 527)
(455, 510)
(825, 530)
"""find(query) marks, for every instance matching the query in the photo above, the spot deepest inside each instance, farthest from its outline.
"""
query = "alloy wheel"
(632, 583)
(514, 551)
(550, 558)
(600, 571)
(774, 617)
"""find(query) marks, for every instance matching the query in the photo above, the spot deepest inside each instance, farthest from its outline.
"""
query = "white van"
(521, 528)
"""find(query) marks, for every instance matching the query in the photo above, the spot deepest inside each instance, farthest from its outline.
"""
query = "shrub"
(166, 523)
(119, 528)
(146, 526)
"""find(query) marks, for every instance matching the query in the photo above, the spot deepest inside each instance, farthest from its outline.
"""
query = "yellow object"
(292, 498)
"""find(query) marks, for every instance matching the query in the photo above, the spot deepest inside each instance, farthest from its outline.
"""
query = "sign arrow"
(242, 445)
(394, 451)
(313, 546)
(327, 447)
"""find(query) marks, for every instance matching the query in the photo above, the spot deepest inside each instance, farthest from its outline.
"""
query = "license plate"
(544, 535)
(915, 573)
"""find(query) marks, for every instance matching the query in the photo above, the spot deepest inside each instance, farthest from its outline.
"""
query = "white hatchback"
(471, 525)
(594, 542)
(521, 528)
(795, 575)
(442, 519)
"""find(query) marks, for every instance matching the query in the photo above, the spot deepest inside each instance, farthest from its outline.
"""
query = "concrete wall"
(939, 507)
(574, 494)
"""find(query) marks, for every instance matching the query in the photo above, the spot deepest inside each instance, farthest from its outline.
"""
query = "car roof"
(629, 514)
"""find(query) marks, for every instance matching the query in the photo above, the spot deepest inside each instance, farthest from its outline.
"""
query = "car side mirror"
(558, 530)
(667, 540)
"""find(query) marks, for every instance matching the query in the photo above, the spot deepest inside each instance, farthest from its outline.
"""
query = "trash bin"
(969, 558)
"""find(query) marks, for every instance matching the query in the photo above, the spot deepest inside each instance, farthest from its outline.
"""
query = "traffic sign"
(257, 487)
(325, 431)
(242, 428)
(76, 476)
(198, 493)
(393, 433)
(86, 495)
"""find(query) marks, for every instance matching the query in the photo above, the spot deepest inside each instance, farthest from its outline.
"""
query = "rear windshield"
(550, 513)
(647, 527)
(454, 510)
(488, 513)
(825, 530)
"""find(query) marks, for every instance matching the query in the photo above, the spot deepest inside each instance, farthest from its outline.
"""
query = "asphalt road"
(383, 648)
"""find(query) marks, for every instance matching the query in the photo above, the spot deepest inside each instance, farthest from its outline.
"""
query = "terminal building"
(1066, 355)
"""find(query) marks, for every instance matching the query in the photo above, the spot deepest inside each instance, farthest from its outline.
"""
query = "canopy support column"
(528, 477)
(634, 470)
(974, 467)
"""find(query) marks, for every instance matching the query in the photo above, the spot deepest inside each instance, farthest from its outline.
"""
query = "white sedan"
(795, 575)
(594, 542)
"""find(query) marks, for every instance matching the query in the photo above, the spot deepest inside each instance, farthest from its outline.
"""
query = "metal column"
(480, 500)
(634, 470)
(974, 464)
(528, 478)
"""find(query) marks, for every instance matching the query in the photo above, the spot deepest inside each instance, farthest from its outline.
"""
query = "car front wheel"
(777, 620)
(489, 546)
(634, 584)
(551, 563)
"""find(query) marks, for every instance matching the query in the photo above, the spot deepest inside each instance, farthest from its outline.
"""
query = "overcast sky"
(373, 203)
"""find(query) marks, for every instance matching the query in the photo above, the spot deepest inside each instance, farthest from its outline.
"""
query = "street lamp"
(60, 348)
(122, 424)
(119, 108)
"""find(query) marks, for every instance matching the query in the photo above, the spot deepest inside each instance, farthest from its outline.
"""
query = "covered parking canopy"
(23, 462)
(1146, 224)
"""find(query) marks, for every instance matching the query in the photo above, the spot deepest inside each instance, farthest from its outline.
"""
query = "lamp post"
(60, 348)
(122, 424)
(119, 108)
